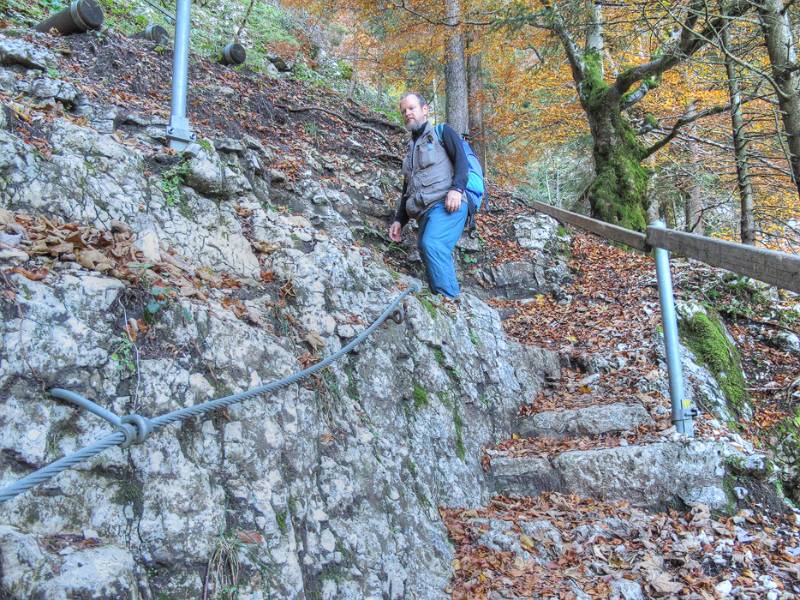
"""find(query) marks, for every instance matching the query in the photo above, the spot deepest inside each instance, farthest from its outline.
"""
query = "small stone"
(345, 330)
(319, 515)
(724, 587)
(12, 254)
(148, 244)
(327, 541)
(767, 582)
(741, 493)
(277, 176)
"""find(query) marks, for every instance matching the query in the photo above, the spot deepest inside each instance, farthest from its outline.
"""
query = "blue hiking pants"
(438, 235)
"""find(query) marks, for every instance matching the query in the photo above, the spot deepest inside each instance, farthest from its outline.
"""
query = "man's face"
(414, 115)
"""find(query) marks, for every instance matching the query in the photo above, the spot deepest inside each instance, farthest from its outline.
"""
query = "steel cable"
(136, 428)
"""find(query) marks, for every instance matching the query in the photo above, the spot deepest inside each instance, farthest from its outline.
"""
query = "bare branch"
(681, 122)
(688, 42)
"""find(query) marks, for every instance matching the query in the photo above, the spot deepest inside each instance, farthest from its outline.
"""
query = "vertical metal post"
(178, 131)
(681, 408)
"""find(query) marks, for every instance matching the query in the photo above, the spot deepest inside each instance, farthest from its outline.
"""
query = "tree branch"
(689, 41)
(681, 122)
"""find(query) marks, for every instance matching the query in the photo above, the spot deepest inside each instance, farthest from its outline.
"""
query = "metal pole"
(178, 131)
(681, 407)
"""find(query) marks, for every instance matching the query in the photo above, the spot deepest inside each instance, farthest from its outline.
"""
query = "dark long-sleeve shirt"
(455, 152)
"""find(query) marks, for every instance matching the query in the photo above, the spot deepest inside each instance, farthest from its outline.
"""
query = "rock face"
(326, 489)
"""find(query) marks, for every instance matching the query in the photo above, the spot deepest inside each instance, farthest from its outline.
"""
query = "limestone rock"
(653, 475)
(535, 231)
(592, 420)
(14, 51)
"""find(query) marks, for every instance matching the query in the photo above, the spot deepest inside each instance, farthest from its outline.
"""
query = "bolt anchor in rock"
(233, 54)
(398, 315)
(78, 17)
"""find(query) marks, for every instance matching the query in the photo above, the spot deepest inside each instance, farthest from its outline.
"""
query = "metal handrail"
(770, 266)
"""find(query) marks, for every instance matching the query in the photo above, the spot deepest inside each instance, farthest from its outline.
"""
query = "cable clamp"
(136, 428)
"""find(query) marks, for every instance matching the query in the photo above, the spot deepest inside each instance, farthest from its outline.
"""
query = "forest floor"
(612, 310)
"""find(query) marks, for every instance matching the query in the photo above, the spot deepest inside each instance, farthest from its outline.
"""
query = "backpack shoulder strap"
(439, 128)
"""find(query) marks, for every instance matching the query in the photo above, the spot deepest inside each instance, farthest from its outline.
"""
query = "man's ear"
(425, 110)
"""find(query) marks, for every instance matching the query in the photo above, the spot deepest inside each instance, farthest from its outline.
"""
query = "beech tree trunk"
(693, 198)
(455, 71)
(619, 191)
(782, 57)
(475, 85)
(747, 225)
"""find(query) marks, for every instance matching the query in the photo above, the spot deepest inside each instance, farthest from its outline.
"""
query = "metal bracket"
(179, 134)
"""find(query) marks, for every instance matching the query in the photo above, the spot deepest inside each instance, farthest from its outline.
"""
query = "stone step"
(654, 476)
(591, 420)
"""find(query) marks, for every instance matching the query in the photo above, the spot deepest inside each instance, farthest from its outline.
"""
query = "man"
(434, 178)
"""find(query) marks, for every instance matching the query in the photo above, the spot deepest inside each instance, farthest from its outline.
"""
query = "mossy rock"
(705, 335)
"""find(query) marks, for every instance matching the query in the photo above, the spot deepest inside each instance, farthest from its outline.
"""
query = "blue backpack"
(475, 191)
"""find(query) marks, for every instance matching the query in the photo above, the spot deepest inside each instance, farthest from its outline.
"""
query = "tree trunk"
(694, 193)
(747, 226)
(782, 56)
(455, 71)
(618, 193)
(475, 84)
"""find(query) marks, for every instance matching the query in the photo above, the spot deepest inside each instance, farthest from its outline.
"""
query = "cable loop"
(136, 429)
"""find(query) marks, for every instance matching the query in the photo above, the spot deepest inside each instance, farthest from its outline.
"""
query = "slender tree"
(455, 70)
(783, 61)
(475, 99)
(747, 226)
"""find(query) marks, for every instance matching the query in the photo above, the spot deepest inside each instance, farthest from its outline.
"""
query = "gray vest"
(429, 172)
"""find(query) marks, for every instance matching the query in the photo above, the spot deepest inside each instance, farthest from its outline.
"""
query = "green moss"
(706, 337)
(420, 396)
(728, 485)
(439, 356)
(281, 518)
(427, 304)
(129, 491)
(593, 88)
(458, 424)
(618, 193)
(171, 181)
(352, 385)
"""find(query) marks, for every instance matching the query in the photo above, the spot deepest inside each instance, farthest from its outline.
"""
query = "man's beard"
(413, 126)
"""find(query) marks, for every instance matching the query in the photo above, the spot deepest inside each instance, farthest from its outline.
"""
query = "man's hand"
(453, 201)
(394, 232)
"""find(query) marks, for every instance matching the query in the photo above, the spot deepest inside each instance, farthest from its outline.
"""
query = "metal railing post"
(681, 408)
(178, 131)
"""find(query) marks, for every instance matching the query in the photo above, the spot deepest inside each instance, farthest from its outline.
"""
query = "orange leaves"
(602, 544)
